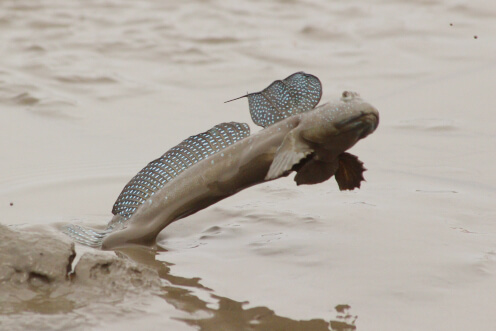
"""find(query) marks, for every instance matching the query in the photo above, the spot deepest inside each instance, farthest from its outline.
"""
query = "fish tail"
(85, 236)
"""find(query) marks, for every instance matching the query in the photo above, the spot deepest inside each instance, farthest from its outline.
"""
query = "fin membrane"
(314, 172)
(292, 150)
(295, 94)
(85, 236)
(349, 174)
(160, 171)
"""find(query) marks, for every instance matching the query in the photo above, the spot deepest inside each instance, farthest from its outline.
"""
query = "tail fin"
(85, 236)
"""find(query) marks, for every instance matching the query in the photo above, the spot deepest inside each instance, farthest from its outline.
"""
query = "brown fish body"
(309, 143)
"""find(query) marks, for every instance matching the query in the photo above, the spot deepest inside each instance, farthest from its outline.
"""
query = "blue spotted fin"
(160, 171)
(295, 94)
(86, 236)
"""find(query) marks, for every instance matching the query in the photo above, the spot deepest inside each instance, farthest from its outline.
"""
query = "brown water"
(90, 91)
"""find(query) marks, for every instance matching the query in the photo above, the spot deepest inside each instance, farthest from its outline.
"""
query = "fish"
(211, 166)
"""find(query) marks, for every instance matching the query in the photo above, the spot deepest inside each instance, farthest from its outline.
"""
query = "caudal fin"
(85, 236)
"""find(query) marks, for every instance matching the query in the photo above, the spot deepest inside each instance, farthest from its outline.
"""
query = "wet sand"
(90, 92)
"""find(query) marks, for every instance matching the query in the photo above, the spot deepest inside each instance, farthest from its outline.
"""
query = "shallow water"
(91, 91)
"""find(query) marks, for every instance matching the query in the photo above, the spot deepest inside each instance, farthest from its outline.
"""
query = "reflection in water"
(230, 314)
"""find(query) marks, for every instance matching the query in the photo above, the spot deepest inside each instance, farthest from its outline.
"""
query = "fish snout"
(370, 122)
(364, 122)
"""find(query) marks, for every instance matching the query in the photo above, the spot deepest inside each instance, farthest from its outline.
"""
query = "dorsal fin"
(297, 93)
(160, 171)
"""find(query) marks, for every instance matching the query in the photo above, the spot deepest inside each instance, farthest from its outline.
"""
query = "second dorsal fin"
(295, 94)
(160, 171)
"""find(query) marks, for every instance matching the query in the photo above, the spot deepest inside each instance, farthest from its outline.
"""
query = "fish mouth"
(365, 122)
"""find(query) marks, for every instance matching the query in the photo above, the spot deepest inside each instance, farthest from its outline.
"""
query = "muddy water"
(90, 91)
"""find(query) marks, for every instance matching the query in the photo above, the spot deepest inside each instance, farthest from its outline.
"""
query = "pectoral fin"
(292, 150)
(315, 171)
(349, 174)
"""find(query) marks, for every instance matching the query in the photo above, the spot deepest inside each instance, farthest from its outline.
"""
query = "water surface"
(90, 91)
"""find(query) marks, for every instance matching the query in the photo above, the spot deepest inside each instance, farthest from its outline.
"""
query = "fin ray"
(292, 150)
(85, 236)
(349, 174)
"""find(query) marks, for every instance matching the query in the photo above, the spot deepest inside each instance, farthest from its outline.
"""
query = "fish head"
(326, 134)
(338, 126)
(314, 148)
(357, 115)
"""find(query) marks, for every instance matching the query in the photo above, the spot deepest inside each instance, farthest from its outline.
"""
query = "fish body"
(312, 143)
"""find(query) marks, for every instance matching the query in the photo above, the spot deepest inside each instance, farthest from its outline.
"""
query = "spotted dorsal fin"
(160, 171)
(295, 94)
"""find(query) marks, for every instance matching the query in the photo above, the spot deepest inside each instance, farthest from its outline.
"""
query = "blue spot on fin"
(162, 170)
(85, 236)
(295, 94)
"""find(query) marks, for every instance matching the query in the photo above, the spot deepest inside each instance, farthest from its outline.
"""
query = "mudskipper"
(213, 165)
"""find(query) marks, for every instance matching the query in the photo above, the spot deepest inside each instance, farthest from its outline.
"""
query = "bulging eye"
(349, 95)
